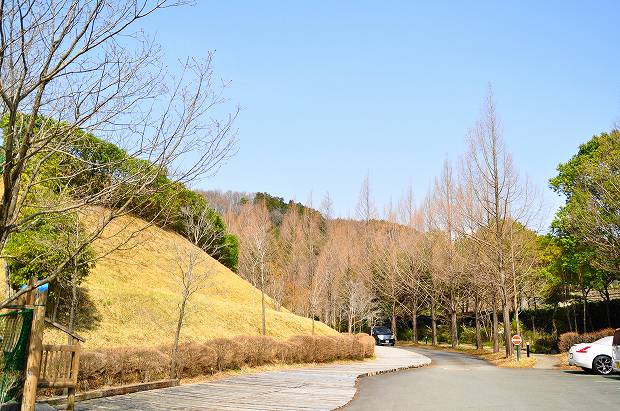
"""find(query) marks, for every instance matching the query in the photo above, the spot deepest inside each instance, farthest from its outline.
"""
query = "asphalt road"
(460, 382)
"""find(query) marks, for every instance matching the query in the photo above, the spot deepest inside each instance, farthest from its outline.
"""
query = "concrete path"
(324, 387)
(460, 382)
(546, 362)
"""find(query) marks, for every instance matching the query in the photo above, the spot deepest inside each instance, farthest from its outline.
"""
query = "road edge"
(424, 363)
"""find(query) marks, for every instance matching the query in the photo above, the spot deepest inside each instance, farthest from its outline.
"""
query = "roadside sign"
(516, 339)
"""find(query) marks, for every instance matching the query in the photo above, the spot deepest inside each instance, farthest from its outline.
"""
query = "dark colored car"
(383, 336)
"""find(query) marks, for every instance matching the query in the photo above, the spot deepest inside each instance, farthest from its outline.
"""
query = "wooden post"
(75, 364)
(35, 346)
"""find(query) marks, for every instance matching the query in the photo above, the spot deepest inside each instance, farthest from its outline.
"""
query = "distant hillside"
(231, 201)
(134, 295)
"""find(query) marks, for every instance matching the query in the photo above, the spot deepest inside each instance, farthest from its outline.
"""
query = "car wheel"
(602, 365)
(392, 344)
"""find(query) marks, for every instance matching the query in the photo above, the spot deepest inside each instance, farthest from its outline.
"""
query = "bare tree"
(498, 197)
(69, 68)
(190, 276)
(254, 229)
(315, 275)
(389, 264)
(193, 263)
(413, 258)
(446, 258)
(366, 210)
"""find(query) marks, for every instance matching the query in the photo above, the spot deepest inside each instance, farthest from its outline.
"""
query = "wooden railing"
(59, 366)
(48, 366)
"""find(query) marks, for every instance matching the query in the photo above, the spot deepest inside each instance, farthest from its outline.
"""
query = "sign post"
(517, 340)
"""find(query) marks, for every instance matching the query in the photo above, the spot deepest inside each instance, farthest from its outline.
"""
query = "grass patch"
(136, 296)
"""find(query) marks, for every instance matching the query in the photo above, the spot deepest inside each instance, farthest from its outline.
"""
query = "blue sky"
(332, 91)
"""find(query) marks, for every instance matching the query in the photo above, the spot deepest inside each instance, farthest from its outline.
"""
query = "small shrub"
(605, 332)
(196, 359)
(303, 348)
(569, 339)
(285, 352)
(117, 366)
(257, 350)
(122, 366)
(228, 353)
(367, 343)
(467, 335)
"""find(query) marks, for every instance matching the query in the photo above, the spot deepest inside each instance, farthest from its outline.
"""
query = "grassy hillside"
(135, 293)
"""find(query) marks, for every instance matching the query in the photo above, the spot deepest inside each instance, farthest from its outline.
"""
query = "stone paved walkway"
(324, 387)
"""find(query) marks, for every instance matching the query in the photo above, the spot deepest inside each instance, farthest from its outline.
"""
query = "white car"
(595, 356)
(615, 354)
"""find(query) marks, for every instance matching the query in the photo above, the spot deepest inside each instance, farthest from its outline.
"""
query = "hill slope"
(135, 292)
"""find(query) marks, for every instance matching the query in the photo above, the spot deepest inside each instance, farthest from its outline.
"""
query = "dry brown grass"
(498, 359)
(135, 293)
(118, 366)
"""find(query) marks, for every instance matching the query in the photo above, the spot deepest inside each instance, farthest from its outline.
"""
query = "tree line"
(471, 250)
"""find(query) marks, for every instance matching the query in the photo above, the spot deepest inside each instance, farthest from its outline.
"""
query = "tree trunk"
(73, 298)
(570, 324)
(454, 330)
(534, 317)
(7, 278)
(585, 310)
(554, 325)
(262, 298)
(478, 333)
(55, 309)
(177, 335)
(394, 319)
(516, 311)
(414, 324)
(350, 320)
(433, 323)
(262, 303)
(575, 317)
(507, 326)
(495, 326)
(607, 310)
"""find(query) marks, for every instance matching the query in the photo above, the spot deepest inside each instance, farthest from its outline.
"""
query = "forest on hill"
(470, 263)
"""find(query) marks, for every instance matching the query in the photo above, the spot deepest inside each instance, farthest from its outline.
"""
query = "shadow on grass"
(87, 317)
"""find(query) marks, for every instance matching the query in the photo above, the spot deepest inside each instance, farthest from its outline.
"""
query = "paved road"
(460, 382)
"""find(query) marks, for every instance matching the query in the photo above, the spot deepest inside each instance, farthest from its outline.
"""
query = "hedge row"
(129, 365)
(567, 340)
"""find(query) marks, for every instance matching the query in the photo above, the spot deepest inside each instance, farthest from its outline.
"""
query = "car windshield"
(382, 330)
(605, 340)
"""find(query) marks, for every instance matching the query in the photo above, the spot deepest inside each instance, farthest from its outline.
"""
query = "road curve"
(460, 382)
